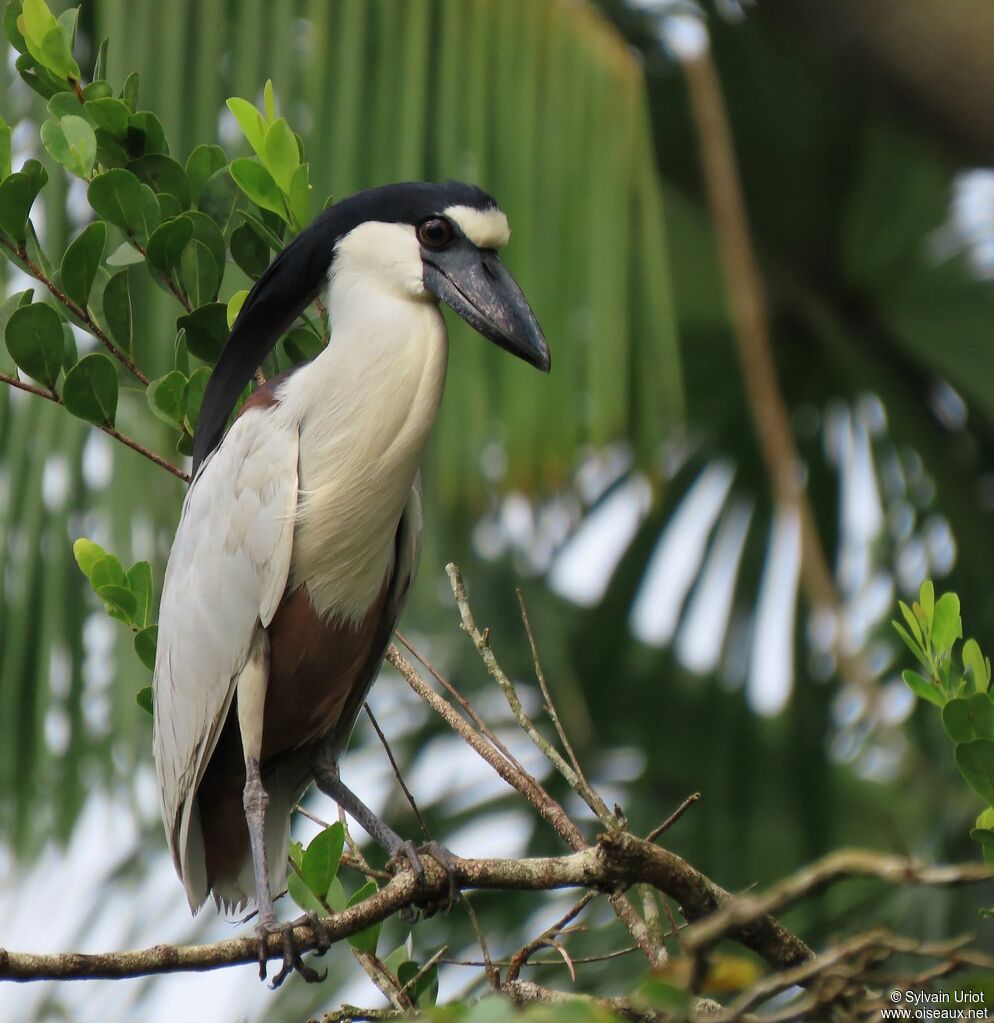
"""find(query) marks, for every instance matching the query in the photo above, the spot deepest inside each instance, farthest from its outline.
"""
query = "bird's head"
(442, 241)
(427, 241)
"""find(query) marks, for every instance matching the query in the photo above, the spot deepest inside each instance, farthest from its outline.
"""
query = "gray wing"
(225, 578)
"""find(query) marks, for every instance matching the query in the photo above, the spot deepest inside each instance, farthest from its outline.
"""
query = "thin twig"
(539, 798)
(547, 936)
(397, 773)
(481, 640)
(550, 707)
(493, 974)
(425, 967)
(111, 431)
(77, 310)
(673, 817)
(463, 702)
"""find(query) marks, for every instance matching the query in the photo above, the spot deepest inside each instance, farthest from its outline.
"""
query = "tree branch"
(616, 862)
(111, 431)
(21, 258)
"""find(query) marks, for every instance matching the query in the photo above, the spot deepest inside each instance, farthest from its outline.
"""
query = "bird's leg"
(251, 693)
(329, 781)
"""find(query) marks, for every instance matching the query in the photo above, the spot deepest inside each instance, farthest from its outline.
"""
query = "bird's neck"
(365, 408)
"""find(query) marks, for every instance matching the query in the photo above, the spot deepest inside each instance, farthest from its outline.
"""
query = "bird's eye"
(435, 233)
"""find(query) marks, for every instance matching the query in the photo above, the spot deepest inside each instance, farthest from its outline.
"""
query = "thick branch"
(618, 861)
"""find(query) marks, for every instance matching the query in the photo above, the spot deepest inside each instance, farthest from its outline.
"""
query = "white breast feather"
(366, 407)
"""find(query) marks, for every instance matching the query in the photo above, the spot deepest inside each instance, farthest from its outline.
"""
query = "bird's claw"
(409, 854)
(292, 960)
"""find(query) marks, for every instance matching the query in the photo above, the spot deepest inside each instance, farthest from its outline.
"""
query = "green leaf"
(140, 582)
(17, 195)
(97, 90)
(65, 104)
(144, 697)
(182, 354)
(983, 831)
(35, 342)
(125, 255)
(975, 761)
(250, 121)
(80, 263)
(193, 397)
(100, 65)
(202, 164)
(38, 77)
(302, 895)
(117, 309)
(947, 626)
(300, 195)
(129, 93)
(164, 176)
(110, 114)
(146, 134)
(926, 600)
(87, 554)
(913, 625)
(145, 641)
(365, 940)
(165, 396)
(7, 308)
(206, 231)
(281, 154)
(90, 389)
(302, 345)
(269, 101)
(249, 250)
(976, 665)
(4, 149)
(336, 895)
(273, 239)
(425, 991)
(258, 184)
(206, 331)
(107, 571)
(910, 643)
(116, 195)
(321, 860)
(199, 273)
(167, 242)
(221, 199)
(967, 718)
(923, 688)
(119, 602)
(235, 304)
(11, 29)
(46, 42)
(72, 142)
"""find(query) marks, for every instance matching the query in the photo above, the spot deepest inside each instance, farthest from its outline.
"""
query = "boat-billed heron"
(300, 532)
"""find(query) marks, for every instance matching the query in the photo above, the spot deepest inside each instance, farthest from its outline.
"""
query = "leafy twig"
(78, 311)
(111, 431)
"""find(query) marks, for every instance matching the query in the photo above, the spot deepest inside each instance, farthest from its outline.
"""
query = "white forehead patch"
(486, 229)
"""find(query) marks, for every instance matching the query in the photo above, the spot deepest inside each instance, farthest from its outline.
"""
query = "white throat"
(365, 408)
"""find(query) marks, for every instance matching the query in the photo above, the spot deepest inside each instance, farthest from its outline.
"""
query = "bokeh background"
(626, 494)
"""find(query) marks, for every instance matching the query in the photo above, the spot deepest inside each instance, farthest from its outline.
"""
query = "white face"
(389, 255)
(386, 256)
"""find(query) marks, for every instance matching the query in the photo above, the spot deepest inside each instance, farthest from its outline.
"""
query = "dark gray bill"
(477, 285)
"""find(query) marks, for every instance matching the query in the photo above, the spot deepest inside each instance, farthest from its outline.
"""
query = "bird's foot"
(292, 960)
(410, 855)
